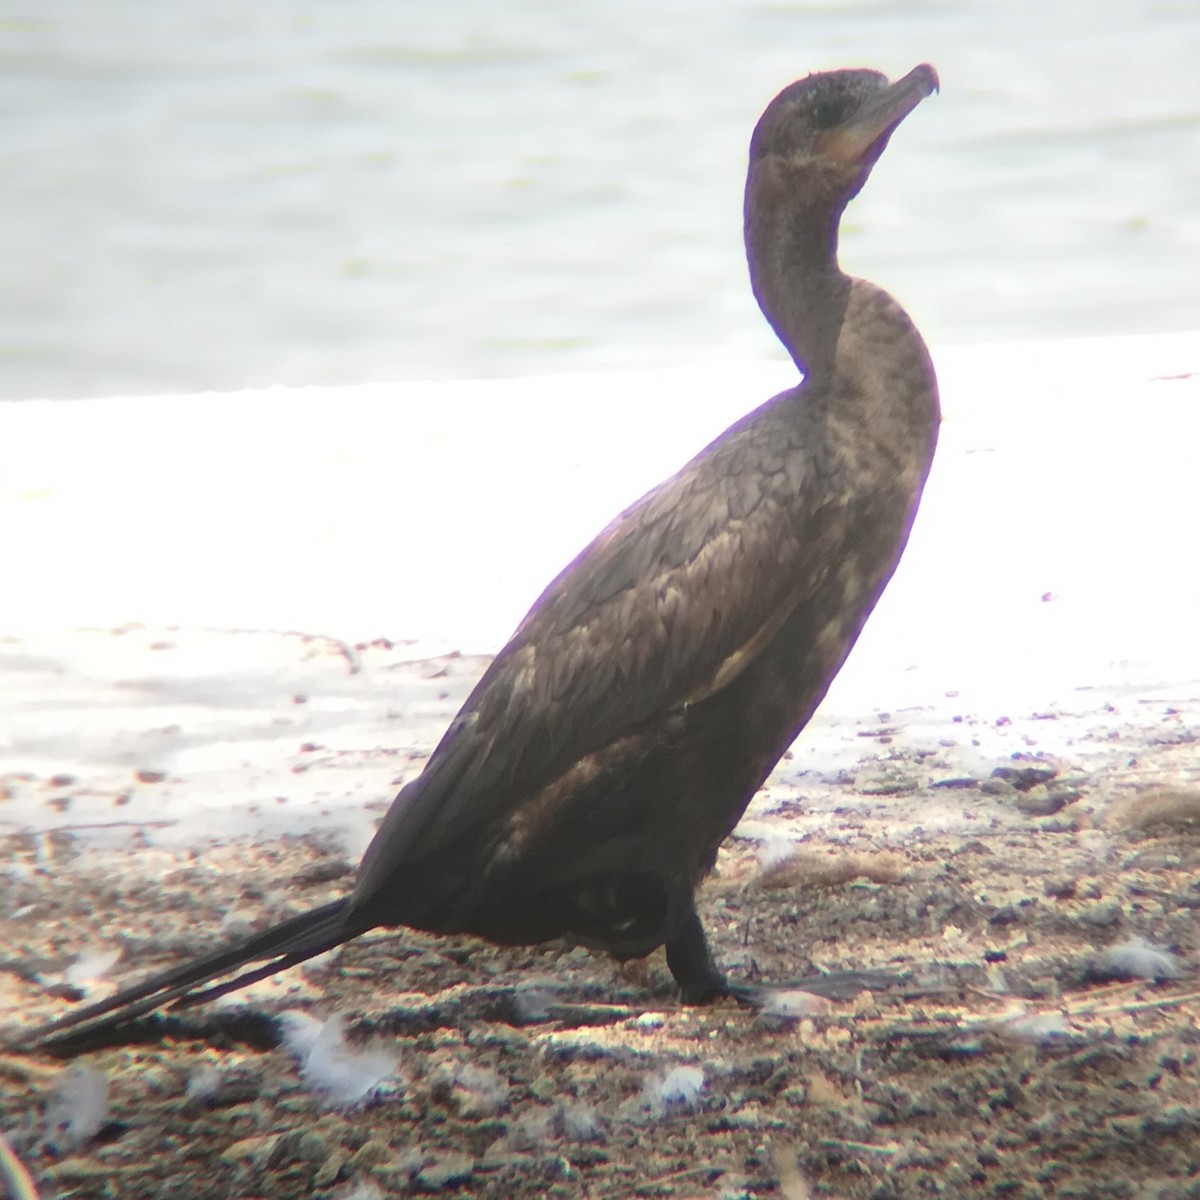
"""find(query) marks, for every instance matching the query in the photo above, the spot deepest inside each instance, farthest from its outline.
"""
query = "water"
(222, 195)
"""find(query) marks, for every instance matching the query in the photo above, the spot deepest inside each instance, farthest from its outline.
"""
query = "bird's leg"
(701, 980)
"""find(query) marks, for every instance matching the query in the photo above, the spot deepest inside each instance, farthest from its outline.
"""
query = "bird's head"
(825, 132)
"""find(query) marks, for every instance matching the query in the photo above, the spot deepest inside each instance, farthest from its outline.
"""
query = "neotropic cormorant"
(585, 786)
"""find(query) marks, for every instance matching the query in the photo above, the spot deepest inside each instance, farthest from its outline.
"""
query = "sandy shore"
(232, 626)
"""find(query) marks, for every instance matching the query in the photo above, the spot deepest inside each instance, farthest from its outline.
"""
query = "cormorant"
(586, 784)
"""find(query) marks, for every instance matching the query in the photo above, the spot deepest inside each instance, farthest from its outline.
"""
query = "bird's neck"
(838, 330)
(791, 248)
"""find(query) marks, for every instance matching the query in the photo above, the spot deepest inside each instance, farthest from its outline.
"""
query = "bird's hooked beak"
(861, 138)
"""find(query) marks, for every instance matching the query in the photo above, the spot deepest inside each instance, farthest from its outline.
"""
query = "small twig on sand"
(714, 1172)
(1136, 1005)
(889, 1149)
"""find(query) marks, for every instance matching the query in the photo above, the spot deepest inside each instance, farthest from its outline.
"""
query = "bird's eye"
(827, 113)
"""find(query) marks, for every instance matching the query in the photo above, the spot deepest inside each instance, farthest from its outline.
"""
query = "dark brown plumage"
(584, 788)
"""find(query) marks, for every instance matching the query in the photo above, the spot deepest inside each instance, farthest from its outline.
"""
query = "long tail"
(284, 945)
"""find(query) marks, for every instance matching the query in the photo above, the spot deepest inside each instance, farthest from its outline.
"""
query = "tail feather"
(284, 945)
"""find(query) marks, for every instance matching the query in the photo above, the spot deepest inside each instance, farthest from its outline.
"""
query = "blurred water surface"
(218, 195)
